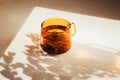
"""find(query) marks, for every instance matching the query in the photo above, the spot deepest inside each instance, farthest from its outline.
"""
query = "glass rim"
(56, 18)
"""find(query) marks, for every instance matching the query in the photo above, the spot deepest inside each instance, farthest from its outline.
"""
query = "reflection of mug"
(56, 35)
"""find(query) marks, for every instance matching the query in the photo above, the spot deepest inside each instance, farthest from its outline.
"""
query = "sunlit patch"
(82, 55)
(104, 48)
(118, 62)
(3, 78)
(1, 68)
(117, 66)
(20, 74)
(114, 71)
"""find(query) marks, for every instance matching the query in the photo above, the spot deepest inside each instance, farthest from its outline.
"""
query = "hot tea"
(55, 39)
(55, 35)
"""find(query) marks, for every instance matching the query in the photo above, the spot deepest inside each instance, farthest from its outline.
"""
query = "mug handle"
(73, 24)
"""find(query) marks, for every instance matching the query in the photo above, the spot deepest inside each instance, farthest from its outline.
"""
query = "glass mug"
(56, 35)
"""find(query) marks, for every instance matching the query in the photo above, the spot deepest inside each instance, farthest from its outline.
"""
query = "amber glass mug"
(56, 35)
